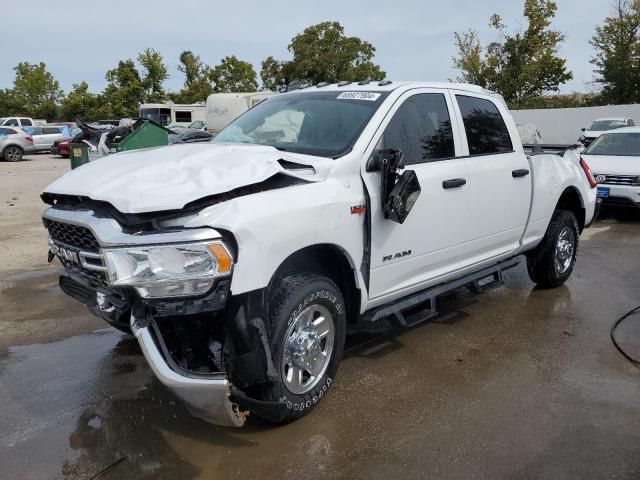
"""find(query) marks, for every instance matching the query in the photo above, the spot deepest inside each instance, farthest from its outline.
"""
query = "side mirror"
(403, 197)
(583, 129)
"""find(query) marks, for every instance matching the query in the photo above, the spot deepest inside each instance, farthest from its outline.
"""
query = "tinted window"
(34, 130)
(10, 131)
(12, 121)
(486, 131)
(183, 116)
(617, 144)
(26, 122)
(50, 130)
(421, 128)
(603, 125)
(3, 132)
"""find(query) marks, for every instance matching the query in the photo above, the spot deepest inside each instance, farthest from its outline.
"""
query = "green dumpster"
(145, 134)
(78, 154)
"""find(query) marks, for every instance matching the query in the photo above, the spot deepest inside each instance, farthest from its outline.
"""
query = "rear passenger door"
(50, 135)
(499, 177)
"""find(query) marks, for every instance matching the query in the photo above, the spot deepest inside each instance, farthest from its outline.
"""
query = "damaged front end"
(172, 289)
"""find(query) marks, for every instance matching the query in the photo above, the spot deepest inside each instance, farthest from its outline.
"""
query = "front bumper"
(207, 398)
(623, 195)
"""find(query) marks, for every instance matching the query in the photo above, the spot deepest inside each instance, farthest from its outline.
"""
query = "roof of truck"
(392, 85)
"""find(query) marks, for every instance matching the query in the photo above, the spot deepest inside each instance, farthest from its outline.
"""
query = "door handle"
(454, 183)
(523, 172)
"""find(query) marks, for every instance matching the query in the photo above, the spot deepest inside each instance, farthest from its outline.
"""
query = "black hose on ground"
(613, 337)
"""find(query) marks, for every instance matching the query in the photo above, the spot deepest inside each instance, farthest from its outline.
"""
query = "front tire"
(12, 154)
(551, 263)
(307, 328)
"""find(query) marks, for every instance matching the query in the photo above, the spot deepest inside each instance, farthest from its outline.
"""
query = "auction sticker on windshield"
(370, 96)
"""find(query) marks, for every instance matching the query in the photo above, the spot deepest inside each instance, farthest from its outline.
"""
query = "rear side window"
(486, 131)
(26, 122)
(50, 130)
(10, 131)
(421, 128)
(12, 121)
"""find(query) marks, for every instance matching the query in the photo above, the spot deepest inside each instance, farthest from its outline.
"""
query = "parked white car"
(16, 122)
(614, 157)
(44, 137)
(239, 263)
(601, 125)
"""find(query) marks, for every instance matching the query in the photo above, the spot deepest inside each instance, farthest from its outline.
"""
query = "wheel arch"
(329, 260)
(572, 201)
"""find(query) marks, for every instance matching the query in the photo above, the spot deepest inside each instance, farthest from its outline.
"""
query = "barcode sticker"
(369, 96)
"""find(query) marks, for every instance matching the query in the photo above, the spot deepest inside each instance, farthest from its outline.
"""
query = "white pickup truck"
(239, 264)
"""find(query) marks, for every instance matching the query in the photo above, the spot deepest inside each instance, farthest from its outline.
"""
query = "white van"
(172, 113)
(222, 108)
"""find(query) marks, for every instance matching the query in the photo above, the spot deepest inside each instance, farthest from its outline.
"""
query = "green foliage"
(519, 66)
(79, 102)
(197, 86)
(322, 53)
(35, 92)
(617, 54)
(155, 73)
(124, 93)
(233, 75)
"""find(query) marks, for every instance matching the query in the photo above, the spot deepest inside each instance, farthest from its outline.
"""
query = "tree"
(155, 73)
(519, 66)
(197, 86)
(233, 75)
(79, 102)
(35, 92)
(124, 93)
(322, 53)
(617, 54)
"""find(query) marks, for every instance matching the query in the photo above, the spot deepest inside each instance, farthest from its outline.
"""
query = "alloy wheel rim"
(565, 246)
(307, 349)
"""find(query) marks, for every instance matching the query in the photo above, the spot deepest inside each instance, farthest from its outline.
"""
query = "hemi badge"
(358, 209)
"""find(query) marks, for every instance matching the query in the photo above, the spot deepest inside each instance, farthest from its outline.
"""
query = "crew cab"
(238, 264)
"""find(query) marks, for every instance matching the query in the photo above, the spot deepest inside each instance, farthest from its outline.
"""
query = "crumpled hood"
(168, 178)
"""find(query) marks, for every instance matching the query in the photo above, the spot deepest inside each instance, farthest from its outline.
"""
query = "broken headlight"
(168, 270)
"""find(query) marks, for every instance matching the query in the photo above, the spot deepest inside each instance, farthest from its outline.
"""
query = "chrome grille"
(610, 179)
(72, 235)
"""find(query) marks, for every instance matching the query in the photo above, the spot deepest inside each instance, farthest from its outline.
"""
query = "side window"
(12, 122)
(50, 130)
(26, 122)
(630, 123)
(421, 128)
(486, 131)
(10, 131)
(183, 116)
(3, 132)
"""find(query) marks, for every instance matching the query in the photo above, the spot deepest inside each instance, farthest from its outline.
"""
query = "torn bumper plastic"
(207, 398)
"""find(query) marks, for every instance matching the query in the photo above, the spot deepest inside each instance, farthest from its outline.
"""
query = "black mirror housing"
(403, 197)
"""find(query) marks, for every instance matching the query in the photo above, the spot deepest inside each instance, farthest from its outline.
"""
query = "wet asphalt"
(516, 383)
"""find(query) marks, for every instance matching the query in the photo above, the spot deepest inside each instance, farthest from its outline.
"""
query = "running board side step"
(421, 306)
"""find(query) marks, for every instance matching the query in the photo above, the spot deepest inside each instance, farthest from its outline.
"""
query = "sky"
(414, 39)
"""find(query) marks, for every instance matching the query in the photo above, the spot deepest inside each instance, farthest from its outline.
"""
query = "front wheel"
(551, 263)
(307, 327)
(12, 154)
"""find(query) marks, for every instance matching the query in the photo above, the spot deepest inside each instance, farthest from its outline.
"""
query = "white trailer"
(222, 108)
(171, 113)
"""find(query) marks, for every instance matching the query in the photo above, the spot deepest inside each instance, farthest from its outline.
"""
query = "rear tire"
(12, 154)
(307, 329)
(551, 263)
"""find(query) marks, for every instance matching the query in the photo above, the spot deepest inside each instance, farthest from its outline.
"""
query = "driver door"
(431, 242)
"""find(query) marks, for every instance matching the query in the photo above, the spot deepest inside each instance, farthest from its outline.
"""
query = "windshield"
(616, 144)
(602, 125)
(325, 124)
